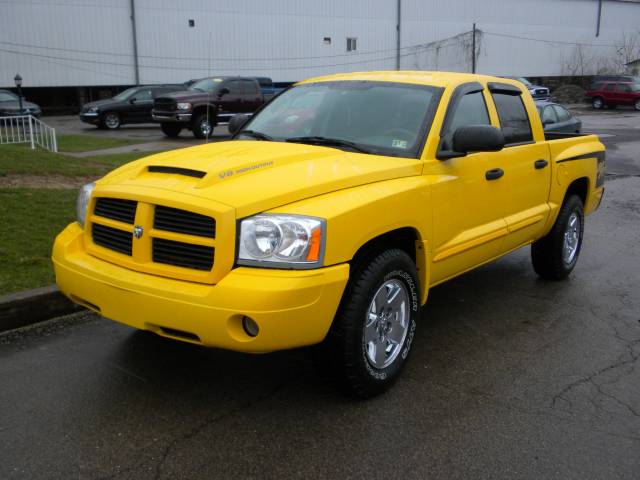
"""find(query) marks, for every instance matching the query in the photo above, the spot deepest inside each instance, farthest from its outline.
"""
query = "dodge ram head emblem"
(138, 231)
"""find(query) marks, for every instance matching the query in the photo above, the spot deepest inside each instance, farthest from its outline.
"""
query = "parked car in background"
(10, 105)
(267, 87)
(537, 92)
(131, 106)
(613, 78)
(611, 94)
(556, 118)
(207, 103)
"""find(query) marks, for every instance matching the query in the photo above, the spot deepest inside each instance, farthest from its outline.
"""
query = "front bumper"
(90, 117)
(164, 117)
(293, 308)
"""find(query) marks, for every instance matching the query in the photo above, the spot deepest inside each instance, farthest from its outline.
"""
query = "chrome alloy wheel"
(205, 127)
(571, 239)
(387, 324)
(111, 120)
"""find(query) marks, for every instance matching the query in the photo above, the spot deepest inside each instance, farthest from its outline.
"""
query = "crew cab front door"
(140, 106)
(468, 197)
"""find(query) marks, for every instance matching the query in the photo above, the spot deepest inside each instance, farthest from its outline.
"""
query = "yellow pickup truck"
(329, 215)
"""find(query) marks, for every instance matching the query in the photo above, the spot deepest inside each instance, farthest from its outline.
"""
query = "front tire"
(111, 121)
(171, 130)
(203, 126)
(373, 331)
(636, 104)
(555, 255)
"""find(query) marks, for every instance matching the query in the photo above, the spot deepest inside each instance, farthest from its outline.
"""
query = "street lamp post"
(18, 80)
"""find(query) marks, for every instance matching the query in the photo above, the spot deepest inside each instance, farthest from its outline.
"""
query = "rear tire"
(373, 331)
(171, 130)
(636, 104)
(111, 120)
(203, 127)
(555, 255)
(598, 103)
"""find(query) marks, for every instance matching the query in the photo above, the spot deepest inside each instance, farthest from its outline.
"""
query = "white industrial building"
(76, 43)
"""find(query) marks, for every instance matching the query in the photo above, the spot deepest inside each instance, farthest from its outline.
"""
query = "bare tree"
(628, 49)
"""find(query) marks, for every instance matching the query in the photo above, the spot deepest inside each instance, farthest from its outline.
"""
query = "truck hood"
(187, 95)
(255, 176)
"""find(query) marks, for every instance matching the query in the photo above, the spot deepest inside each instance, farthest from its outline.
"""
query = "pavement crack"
(212, 421)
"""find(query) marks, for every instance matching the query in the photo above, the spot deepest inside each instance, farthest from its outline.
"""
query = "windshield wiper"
(329, 142)
(257, 135)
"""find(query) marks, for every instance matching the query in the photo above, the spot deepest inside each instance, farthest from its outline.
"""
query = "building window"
(192, 23)
(351, 44)
(327, 40)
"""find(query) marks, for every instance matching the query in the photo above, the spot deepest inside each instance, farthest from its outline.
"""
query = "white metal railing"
(27, 129)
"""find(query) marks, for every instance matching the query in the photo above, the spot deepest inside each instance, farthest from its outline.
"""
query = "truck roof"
(437, 79)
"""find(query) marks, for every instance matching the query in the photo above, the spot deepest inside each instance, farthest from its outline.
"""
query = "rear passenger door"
(251, 96)
(526, 164)
(623, 94)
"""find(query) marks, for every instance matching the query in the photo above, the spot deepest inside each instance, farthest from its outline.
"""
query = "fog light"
(250, 326)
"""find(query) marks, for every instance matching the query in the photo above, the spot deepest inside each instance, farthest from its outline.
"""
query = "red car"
(611, 94)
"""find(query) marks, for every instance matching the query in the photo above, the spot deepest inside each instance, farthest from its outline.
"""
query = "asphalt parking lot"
(510, 378)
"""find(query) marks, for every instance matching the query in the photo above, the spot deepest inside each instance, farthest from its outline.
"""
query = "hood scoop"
(187, 172)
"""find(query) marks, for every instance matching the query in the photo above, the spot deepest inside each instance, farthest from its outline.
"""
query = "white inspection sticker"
(399, 143)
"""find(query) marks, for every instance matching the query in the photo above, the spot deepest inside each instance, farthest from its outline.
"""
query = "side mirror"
(132, 100)
(478, 138)
(237, 122)
(223, 91)
(547, 122)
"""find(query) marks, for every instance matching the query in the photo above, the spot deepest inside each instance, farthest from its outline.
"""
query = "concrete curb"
(32, 306)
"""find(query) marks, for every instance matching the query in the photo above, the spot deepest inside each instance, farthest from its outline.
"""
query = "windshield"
(122, 96)
(8, 97)
(378, 117)
(206, 84)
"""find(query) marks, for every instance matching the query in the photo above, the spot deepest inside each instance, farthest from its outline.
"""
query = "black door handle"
(540, 164)
(494, 174)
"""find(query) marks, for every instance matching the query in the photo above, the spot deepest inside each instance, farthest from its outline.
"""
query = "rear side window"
(549, 115)
(513, 118)
(609, 87)
(623, 87)
(563, 114)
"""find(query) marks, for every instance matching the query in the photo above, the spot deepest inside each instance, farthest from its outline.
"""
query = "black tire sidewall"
(593, 103)
(636, 104)
(364, 379)
(170, 129)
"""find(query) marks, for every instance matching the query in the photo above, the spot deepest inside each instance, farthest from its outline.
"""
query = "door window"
(563, 114)
(472, 110)
(234, 87)
(250, 87)
(143, 95)
(514, 119)
(623, 88)
(609, 87)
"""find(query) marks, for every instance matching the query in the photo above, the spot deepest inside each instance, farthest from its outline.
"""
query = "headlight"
(92, 109)
(282, 241)
(184, 106)
(84, 195)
